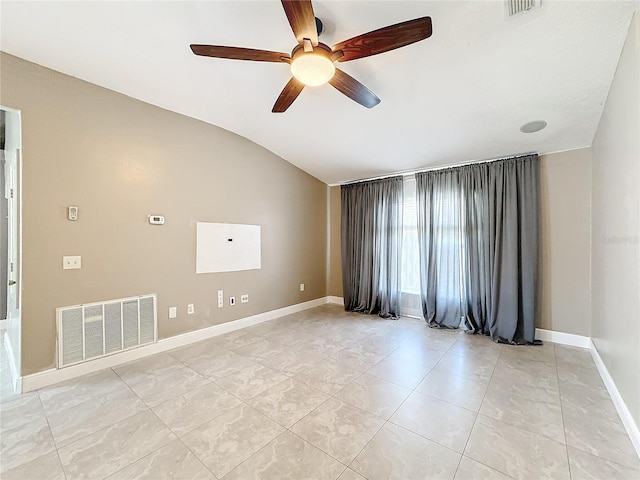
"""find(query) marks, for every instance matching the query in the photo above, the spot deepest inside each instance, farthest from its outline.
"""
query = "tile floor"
(6, 386)
(324, 394)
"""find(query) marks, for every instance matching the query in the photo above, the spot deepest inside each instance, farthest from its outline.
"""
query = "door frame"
(13, 334)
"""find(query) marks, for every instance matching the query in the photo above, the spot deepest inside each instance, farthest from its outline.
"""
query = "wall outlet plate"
(190, 309)
(302, 287)
(244, 298)
(173, 312)
(71, 262)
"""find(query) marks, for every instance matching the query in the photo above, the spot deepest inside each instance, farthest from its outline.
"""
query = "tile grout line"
(564, 430)
(55, 444)
(126, 386)
(181, 441)
(476, 419)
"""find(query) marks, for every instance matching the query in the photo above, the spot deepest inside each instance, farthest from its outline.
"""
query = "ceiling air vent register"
(516, 7)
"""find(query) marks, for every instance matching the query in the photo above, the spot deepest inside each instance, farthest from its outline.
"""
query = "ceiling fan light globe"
(312, 69)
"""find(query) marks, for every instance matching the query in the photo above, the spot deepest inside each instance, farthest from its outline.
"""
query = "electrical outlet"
(232, 301)
(244, 298)
(190, 309)
(220, 299)
(71, 262)
(302, 287)
(173, 312)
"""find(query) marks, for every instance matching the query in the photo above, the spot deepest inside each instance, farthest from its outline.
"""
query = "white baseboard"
(3, 324)
(621, 406)
(45, 378)
(563, 338)
(16, 379)
(338, 300)
(586, 342)
(411, 313)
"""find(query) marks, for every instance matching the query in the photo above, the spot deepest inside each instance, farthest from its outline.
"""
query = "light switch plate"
(173, 312)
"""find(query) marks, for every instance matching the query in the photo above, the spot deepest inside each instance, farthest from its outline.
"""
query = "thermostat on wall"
(156, 219)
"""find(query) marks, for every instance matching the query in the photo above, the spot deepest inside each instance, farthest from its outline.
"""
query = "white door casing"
(12, 192)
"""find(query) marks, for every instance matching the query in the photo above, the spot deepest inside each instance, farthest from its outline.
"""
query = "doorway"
(10, 157)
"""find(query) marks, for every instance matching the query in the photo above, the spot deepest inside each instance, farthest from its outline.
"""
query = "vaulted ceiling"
(461, 95)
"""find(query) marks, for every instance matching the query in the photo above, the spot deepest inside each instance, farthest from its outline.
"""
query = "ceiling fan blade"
(289, 93)
(385, 39)
(302, 20)
(238, 53)
(354, 89)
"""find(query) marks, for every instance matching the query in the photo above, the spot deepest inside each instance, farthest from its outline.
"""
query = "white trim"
(411, 313)
(563, 338)
(45, 378)
(337, 300)
(3, 324)
(16, 380)
(327, 265)
(586, 342)
(625, 415)
(17, 385)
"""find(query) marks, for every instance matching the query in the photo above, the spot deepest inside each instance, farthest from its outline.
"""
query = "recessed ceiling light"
(533, 127)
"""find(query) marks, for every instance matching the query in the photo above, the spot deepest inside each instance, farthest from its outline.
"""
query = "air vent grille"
(94, 330)
(516, 7)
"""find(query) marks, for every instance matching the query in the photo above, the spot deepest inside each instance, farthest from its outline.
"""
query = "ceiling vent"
(516, 7)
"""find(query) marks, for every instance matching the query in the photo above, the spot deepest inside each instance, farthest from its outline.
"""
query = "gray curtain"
(371, 246)
(440, 229)
(493, 258)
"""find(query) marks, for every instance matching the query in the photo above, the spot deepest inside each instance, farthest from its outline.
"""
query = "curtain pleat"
(371, 246)
(497, 220)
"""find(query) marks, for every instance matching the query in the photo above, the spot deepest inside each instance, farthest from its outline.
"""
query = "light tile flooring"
(6, 386)
(324, 394)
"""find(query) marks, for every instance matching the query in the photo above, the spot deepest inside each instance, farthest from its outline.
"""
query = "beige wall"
(335, 255)
(120, 160)
(615, 325)
(565, 242)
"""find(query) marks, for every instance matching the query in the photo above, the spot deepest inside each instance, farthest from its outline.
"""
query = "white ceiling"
(458, 96)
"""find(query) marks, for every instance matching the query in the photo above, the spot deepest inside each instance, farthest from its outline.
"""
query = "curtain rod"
(433, 169)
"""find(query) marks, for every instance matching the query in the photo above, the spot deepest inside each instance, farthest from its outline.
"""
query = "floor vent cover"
(515, 7)
(95, 330)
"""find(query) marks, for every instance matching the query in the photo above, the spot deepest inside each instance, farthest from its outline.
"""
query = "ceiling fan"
(312, 62)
